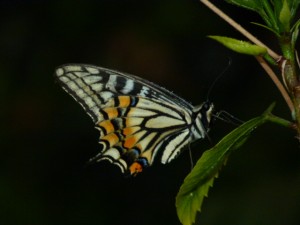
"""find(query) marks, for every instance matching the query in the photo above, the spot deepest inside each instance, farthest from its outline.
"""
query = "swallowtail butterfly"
(138, 121)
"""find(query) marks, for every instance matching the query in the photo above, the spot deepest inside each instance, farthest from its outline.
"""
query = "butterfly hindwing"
(135, 117)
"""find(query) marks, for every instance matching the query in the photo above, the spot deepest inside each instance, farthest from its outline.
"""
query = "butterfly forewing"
(136, 118)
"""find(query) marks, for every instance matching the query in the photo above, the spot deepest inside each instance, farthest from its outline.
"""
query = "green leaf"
(270, 16)
(267, 28)
(196, 185)
(277, 14)
(240, 46)
(294, 4)
(254, 5)
(285, 16)
(258, 6)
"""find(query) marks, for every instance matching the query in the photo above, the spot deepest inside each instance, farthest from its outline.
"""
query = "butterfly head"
(203, 116)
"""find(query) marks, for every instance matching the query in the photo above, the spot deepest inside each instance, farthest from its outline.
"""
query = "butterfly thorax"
(202, 118)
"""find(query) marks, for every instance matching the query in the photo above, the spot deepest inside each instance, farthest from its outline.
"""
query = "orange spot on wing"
(111, 112)
(112, 138)
(124, 101)
(130, 130)
(127, 131)
(107, 125)
(135, 168)
(129, 142)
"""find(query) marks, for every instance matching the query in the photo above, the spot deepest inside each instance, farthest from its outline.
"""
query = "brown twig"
(238, 27)
(261, 61)
(277, 82)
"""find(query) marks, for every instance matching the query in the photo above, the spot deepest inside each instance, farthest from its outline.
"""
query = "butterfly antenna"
(228, 118)
(212, 86)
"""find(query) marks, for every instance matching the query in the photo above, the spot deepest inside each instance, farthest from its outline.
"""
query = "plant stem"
(239, 28)
(280, 121)
(262, 62)
(275, 79)
(290, 74)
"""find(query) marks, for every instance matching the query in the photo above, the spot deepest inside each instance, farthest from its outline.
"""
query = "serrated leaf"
(196, 185)
(240, 46)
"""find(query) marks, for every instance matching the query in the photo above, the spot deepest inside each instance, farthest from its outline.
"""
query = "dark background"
(46, 138)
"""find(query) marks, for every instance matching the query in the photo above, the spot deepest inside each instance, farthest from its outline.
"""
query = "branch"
(261, 61)
(277, 82)
(239, 28)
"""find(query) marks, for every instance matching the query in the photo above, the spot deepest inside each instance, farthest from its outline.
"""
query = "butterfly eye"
(207, 105)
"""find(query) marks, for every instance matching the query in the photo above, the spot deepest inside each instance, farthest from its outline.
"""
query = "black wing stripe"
(153, 90)
(137, 119)
(81, 101)
(174, 145)
(81, 89)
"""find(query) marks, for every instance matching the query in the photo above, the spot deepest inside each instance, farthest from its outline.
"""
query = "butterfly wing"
(135, 117)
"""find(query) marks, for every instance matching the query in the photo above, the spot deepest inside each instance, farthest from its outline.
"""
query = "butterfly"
(139, 121)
